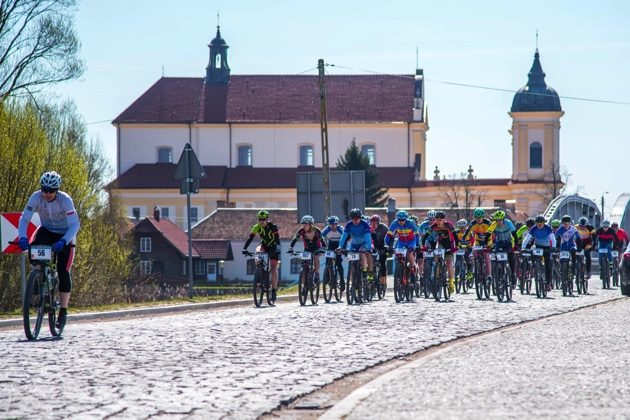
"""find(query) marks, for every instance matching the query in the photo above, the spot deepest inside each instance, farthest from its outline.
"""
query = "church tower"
(536, 114)
(218, 71)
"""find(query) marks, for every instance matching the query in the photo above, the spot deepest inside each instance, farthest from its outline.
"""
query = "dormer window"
(165, 155)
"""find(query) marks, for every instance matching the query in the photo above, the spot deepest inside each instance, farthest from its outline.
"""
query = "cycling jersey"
(569, 237)
(312, 238)
(607, 238)
(378, 236)
(406, 233)
(332, 235)
(360, 235)
(424, 228)
(542, 237)
(269, 236)
(479, 230)
(623, 238)
(445, 235)
(58, 216)
(586, 233)
(462, 241)
(503, 233)
(520, 234)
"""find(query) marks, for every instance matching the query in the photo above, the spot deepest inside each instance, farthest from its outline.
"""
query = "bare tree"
(461, 194)
(557, 185)
(38, 45)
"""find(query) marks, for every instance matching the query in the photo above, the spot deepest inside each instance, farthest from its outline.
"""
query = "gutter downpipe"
(118, 150)
(408, 155)
(227, 194)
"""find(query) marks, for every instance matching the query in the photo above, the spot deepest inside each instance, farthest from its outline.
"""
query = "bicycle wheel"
(615, 274)
(303, 287)
(267, 287)
(579, 273)
(314, 290)
(478, 280)
(487, 288)
(258, 288)
(337, 287)
(499, 279)
(605, 273)
(327, 286)
(444, 281)
(380, 289)
(55, 307)
(398, 286)
(564, 274)
(350, 284)
(33, 304)
(508, 283)
(523, 277)
(436, 286)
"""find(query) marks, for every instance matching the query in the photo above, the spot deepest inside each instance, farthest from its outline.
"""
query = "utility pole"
(323, 120)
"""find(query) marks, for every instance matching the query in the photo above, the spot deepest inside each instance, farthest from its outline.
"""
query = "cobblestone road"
(235, 363)
(572, 366)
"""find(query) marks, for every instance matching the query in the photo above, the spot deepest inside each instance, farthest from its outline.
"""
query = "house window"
(251, 267)
(145, 244)
(194, 215)
(145, 267)
(135, 213)
(369, 151)
(500, 203)
(535, 155)
(306, 155)
(165, 155)
(211, 267)
(200, 268)
(295, 266)
(164, 213)
(245, 155)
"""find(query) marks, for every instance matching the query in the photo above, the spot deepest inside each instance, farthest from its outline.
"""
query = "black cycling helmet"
(354, 213)
(529, 222)
(440, 214)
(583, 221)
(540, 219)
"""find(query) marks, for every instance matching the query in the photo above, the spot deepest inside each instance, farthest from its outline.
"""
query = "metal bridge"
(621, 212)
(575, 206)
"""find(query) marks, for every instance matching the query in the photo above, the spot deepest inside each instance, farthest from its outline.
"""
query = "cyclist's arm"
(27, 214)
(73, 221)
(252, 235)
(528, 237)
(326, 231)
(552, 238)
(297, 236)
(367, 240)
(344, 238)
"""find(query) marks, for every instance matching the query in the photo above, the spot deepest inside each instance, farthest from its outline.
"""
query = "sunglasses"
(262, 220)
(49, 190)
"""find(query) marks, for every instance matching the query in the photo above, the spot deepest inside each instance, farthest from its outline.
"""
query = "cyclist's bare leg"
(411, 257)
(449, 266)
(370, 263)
(64, 299)
(316, 264)
(274, 273)
(486, 255)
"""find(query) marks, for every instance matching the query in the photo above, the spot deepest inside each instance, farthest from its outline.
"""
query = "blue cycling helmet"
(332, 219)
(402, 215)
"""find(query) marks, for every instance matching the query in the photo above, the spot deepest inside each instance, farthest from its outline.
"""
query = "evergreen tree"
(354, 160)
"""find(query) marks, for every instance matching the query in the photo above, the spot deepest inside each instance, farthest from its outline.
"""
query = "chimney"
(156, 213)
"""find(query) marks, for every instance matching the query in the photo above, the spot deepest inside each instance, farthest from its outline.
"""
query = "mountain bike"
(525, 278)
(539, 272)
(403, 278)
(375, 288)
(581, 282)
(555, 270)
(604, 267)
(461, 283)
(501, 274)
(439, 280)
(482, 285)
(354, 286)
(427, 269)
(308, 284)
(41, 295)
(565, 275)
(614, 267)
(262, 285)
(331, 284)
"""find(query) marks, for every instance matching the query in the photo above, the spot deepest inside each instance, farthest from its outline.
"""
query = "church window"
(369, 151)
(306, 155)
(535, 155)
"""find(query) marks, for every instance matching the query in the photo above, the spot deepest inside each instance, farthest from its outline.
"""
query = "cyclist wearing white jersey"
(59, 227)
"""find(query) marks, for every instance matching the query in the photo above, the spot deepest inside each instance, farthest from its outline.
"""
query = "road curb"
(157, 310)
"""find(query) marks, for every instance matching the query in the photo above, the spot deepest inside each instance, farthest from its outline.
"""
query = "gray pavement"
(571, 366)
(238, 362)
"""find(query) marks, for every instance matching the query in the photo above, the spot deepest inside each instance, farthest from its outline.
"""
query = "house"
(162, 251)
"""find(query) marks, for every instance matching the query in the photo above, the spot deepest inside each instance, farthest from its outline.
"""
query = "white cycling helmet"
(462, 223)
(307, 220)
(50, 180)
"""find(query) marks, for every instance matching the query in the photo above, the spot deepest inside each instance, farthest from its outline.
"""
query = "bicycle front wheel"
(55, 308)
(33, 304)
(258, 288)
(327, 286)
(303, 287)
(314, 286)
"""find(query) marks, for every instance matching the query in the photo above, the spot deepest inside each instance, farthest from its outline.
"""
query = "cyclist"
(313, 241)
(605, 237)
(555, 225)
(445, 233)
(569, 238)
(269, 243)
(59, 227)
(332, 233)
(422, 229)
(522, 231)
(463, 242)
(378, 238)
(542, 236)
(587, 233)
(480, 236)
(621, 235)
(504, 239)
(360, 235)
(405, 230)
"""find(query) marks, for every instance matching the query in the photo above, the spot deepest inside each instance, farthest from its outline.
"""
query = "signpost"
(189, 171)
(9, 233)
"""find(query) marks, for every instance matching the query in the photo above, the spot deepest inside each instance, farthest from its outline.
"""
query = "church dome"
(217, 41)
(536, 95)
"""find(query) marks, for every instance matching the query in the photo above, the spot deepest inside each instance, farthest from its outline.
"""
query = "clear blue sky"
(584, 47)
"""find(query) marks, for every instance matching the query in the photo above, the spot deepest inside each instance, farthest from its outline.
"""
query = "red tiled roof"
(160, 175)
(236, 224)
(170, 231)
(274, 98)
(214, 249)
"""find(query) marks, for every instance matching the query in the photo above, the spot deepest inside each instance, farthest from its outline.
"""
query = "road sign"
(188, 165)
(9, 231)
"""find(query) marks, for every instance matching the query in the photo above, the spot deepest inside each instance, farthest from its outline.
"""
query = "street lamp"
(605, 192)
